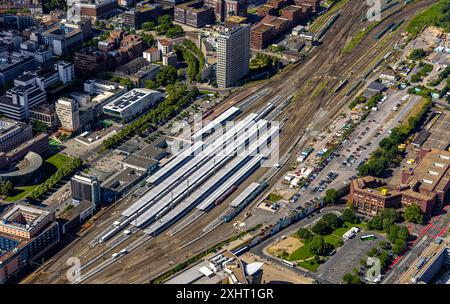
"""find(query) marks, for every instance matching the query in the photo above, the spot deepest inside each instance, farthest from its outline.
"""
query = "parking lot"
(347, 258)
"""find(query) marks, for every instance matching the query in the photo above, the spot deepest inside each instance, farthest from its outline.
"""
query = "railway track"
(304, 112)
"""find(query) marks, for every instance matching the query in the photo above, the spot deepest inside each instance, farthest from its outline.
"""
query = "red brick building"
(427, 185)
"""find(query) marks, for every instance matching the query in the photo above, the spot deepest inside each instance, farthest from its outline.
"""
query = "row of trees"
(178, 98)
(62, 172)
(194, 59)
(164, 77)
(388, 153)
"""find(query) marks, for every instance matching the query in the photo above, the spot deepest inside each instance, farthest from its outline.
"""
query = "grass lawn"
(58, 160)
(310, 265)
(362, 226)
(340, 231)
(433, 15)
(273, 197)
(19, 193)
(300, 253)
(332, 240)
(50, 166)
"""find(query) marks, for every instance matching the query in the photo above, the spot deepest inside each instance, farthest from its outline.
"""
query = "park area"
(310, 247)
(50, 166)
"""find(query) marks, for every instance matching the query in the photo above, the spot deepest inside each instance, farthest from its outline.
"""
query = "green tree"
(6, 188)
(150, 84)
(385, 259)
(413, 214)
(417, 54)
(332, 220)
(399, 246)
(305, 234)
(318, 246)
(331, 196)
(349, 215)
(321, 228)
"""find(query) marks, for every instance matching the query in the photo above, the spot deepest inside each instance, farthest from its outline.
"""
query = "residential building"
(86, 187)
(233, 55)
(13, 133)
(165, 46)
(261, 35)
(148, 72)
(68, 114)
(132, 104)
(26, 233)
(152, 55)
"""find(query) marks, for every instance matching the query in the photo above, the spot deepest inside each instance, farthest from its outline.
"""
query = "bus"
(368, 237)
(287, 263)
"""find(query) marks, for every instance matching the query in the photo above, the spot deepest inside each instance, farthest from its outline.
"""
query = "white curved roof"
(253, 268)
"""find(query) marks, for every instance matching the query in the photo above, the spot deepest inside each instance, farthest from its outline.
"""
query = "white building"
(165, 46)
(18, 101)
(132, 104)
(233, 55)
(66, 71)
(68, 114)
(152, 55)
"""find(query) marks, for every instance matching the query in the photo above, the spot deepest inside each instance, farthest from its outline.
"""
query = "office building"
(13, 133)
(135, 17)
(45, 113)
(86, 188)
(62, 39)
(226, 8)
(68, 114)
(13, 64)
(66, 71)
(425, 184)
(26, 233)
(193, 13)
(18, 101)
(233, 56)
(132, 104)
(97, 9)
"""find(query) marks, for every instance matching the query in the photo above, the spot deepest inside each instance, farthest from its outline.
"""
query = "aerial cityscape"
(225, 142)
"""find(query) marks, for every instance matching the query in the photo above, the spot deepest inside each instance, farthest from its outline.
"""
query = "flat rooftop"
(129, 99)
(439, 135)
